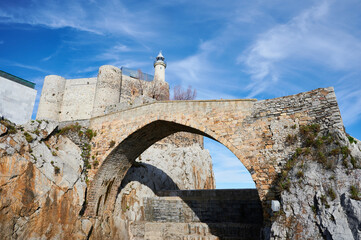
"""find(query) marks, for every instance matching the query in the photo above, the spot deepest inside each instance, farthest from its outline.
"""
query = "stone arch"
(103, 189)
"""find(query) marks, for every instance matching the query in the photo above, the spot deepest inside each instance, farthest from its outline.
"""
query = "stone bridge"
(255, 131)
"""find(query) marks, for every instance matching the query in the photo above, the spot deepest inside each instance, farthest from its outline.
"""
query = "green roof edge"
(17, 79)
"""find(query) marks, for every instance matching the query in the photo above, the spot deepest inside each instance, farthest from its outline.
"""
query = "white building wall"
(16, 101)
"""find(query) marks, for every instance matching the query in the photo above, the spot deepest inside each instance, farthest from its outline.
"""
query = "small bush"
(321, 158)
(95, 163)
(324, 201)
(112, 143)
(37, 132)
(285, 185)
(90, 134)
(291, 139)
(355, 193)
(74, 127)
(345, 151)
(300, 174)
(28, 137)
(9, 126)
(318, 143)
(331, 193)
(54, 153)
(351, 139)
(314, 209)
(56, 170)
(315, 128)
(298, 151)
(354, 162)
(345, 163)
(294, 126)
(330, 164)
(307, 151)
(335, 151)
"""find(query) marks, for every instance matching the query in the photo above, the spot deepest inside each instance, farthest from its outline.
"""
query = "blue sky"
(224, 49)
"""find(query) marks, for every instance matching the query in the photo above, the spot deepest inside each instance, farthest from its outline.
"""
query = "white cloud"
(105, 17)
(348, 92)
(310, 37)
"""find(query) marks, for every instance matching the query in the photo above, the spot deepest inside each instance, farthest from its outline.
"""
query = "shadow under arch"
(227, 213)
(104, 187)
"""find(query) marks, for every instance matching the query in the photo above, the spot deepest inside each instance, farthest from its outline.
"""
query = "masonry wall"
(132, 87)
(16, 101)
(78, 99)
(81, 99)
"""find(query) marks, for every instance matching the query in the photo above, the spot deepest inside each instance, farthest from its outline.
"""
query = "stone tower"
(159, 68)
(51, 98)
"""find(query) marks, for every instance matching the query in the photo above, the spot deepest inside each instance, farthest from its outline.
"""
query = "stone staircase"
(201, 215)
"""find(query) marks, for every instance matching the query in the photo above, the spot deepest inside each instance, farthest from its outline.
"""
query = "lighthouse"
(159, 68)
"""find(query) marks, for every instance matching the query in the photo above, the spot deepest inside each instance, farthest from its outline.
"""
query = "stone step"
(175, 209)
(229, 231)
(218, 194)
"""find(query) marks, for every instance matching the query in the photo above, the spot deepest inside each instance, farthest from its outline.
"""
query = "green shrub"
(74, 127)
(355, 193)
(112, 143)
(95, 163)
(345, 163)
(300, 174)
(331, 193)
(335, 151)
(345, 151)
(11, 128)
(291, 139)
(298, 151)
(324, 201)
(56, 170)
(353, 162)
(90, 134)
(28, 137)
(318, 143)
(54, 153)
(307, 151)
(321, 158)
(351, 139)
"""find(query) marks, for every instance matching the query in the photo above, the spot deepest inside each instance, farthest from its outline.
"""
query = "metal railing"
(137, 74)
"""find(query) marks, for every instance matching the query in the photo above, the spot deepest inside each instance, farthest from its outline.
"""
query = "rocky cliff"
(44, 177)
(320, 187)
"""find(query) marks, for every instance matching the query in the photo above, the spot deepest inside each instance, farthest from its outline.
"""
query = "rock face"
(321, 193)
(41, 184)
(43, 181)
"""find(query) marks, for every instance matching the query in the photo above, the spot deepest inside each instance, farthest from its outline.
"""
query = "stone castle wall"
(80, 99)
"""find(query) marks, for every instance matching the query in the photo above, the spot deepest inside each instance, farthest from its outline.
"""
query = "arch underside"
(104, 187)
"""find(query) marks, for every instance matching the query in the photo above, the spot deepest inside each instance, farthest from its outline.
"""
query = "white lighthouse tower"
(159, 68)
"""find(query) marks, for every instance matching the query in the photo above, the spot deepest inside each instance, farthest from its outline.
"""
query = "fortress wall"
(78, 99)
(107, 89)
(133, 87)
(51, 98)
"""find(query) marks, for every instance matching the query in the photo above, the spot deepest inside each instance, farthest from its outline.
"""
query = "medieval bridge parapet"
(255, 131)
